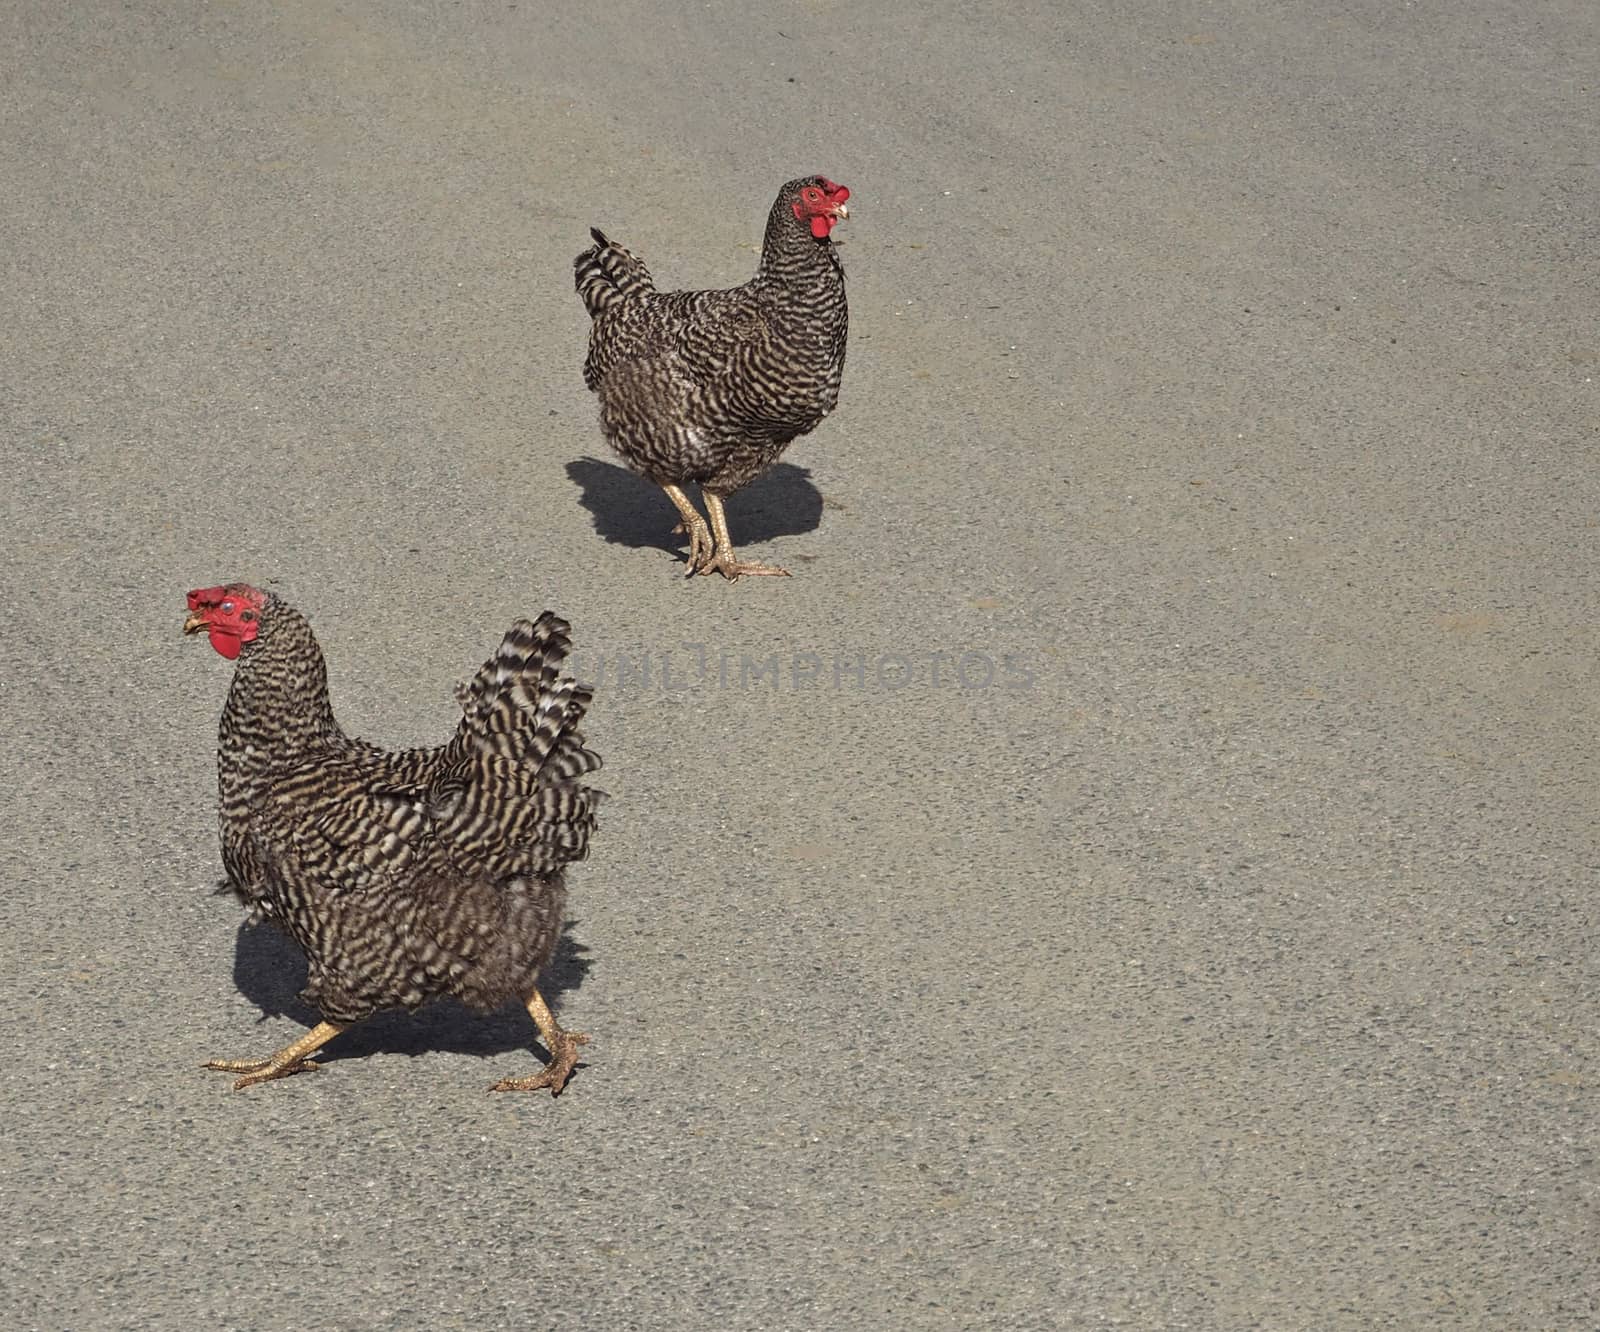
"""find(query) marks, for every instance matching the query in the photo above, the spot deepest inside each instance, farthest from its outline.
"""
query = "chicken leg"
(289, 1060)
(723, 560)
(695, 526)
(563, 1052)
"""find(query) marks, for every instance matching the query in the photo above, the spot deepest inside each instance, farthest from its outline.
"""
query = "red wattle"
(226, 644)
(821, 226)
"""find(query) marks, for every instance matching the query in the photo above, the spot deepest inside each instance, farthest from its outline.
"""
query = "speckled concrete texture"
(1139, 872)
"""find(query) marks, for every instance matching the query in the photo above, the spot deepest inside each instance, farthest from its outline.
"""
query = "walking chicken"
(711, 386)
(403, 875)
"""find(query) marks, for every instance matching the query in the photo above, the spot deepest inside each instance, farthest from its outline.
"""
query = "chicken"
(710, 386)
(403, 875)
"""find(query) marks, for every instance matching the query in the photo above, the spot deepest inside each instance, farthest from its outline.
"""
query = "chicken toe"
(724, 562)
(292, 1059)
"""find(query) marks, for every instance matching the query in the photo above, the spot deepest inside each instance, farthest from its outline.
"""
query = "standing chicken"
(710, 386)
(402, 875)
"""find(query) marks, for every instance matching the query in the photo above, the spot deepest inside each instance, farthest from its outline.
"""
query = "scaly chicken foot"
(563, 1047)
(699, 546)
(695, 526)
(288, 1061)
(723, 560)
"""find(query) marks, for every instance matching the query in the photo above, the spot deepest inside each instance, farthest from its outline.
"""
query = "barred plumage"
(403, 875)
(711, 386)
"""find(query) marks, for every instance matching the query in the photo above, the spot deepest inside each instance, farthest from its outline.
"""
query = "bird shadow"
(270, 972)
(627, 510)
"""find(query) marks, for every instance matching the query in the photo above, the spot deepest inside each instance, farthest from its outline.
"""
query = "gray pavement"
(1205, 940)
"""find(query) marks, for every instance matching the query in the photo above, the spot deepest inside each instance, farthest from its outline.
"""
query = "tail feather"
(508, 798)
(606, 275)
(520, 707)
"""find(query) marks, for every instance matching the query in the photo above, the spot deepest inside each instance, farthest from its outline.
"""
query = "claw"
(563, 1059)
(731, 568)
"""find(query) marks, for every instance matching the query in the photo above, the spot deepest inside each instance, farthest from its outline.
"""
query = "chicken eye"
(813, 195)
(227, 608)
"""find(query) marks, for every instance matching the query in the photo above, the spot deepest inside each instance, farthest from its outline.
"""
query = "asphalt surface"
(1139, 871)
